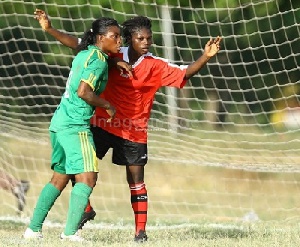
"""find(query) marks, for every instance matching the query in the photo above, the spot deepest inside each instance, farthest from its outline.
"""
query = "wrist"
(206, 57)
(48, 29)
(107, 106)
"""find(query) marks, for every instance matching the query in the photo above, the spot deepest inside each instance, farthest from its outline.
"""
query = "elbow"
(71, 42)
(83, 94)
(74, 45)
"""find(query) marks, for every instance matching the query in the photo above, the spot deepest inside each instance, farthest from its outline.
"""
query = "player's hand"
(124, 68)
(43, 19)
(212, 47)
(111, 112)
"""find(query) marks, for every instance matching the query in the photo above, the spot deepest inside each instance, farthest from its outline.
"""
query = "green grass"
(178, 193)
(240, 236)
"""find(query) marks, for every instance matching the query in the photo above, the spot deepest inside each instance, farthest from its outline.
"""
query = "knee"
(135, 179)
(91, 183)
(60, 182)
(135, 174)
(89, 179)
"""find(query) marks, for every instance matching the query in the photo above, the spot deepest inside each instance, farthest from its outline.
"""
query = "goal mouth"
(225, 144)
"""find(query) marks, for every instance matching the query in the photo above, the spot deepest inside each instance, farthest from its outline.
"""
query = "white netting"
(242, 111)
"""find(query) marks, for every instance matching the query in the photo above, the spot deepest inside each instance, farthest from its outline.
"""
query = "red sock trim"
(139, 203)
(88, 207)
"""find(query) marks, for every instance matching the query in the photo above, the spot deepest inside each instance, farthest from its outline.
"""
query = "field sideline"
(186, 235)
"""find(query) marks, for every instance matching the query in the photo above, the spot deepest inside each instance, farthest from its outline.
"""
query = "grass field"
(258, 235)
(189, 204)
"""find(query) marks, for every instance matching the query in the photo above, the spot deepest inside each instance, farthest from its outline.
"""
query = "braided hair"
(99, 26)
(134, 25)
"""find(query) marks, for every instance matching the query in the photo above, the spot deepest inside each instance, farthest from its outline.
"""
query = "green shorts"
(73, 152)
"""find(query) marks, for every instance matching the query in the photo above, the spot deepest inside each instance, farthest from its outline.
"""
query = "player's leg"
(102, 141)
(134, 156)
(89, 212)
(46, 200)
(51, 190)
(17, 187)
(139, 199)
(85, 182)
(81, 162)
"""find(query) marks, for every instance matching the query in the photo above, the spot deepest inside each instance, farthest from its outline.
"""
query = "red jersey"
(133, 97)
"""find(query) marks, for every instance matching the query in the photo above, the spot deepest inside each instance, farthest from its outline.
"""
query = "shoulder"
(155, 60)
(94, 57)
(149, 58)
(96, 54)
(164, 62)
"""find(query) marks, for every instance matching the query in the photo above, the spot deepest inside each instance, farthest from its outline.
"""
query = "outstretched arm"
(211, 49)
(72, 42)
(65, 39)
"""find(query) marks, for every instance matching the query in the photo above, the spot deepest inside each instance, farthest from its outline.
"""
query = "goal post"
(167, 30)
(237, 143)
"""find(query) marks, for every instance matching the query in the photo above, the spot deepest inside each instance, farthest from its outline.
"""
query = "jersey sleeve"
(94, 72)
(173, 75)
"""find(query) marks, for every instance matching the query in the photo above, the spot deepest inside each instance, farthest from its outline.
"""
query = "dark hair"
(99, 26)
(134, 25)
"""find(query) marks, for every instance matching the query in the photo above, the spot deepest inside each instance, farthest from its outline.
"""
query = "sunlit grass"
(179, 193)
(203, 235)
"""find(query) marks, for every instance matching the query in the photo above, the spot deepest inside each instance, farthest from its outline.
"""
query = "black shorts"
(125, 152)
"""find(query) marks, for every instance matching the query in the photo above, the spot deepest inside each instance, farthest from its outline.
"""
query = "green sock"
(79, 198)
(45, 202)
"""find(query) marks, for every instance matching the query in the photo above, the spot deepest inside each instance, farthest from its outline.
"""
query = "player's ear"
(100, 37)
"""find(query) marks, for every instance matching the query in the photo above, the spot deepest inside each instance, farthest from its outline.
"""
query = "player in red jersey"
(133, 98)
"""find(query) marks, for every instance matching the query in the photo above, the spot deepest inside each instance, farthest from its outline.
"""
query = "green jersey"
(89, 66)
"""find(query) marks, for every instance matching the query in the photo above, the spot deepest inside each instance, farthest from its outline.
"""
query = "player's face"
(111, 41)
(141, 41)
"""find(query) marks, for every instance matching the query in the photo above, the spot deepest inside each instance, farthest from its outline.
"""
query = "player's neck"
(133, 56)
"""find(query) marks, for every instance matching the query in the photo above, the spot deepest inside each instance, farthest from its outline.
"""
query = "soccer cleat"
(74, 238)
(20, 192)
(29, 234)
(90, 215)
(141, 237)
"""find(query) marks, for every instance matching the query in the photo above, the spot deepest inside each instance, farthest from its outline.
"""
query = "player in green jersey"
(73, 151)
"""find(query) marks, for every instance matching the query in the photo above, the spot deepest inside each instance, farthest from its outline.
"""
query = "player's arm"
(86, 93)
(72, 42)
(211, 49)
(124, 68)
(65, 39)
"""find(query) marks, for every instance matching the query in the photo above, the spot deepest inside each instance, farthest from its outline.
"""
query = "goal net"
(225, 147)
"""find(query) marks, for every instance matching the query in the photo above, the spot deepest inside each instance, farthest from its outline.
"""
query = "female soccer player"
(133, 98)
(73, 152)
